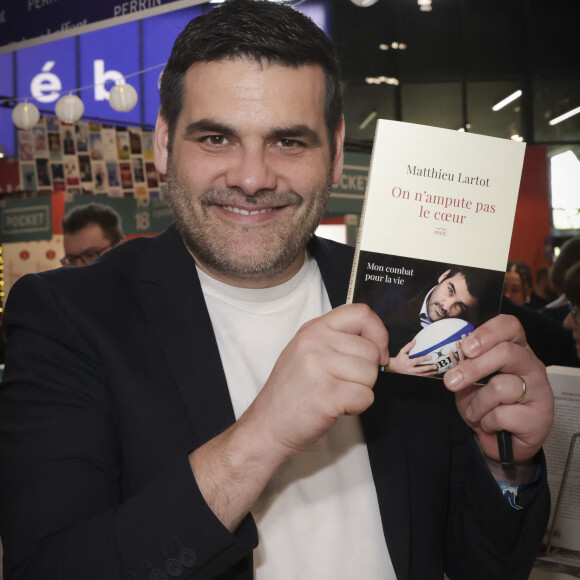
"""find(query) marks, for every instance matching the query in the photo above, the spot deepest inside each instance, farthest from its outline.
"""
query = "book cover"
(434, 238)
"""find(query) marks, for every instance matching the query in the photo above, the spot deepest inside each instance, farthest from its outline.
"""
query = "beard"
(433, 308)
(255, 253)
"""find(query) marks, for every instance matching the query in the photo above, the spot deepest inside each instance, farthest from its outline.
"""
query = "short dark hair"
(485, 286)
(523, 270)
(264, 31)
(569, 255)
(104, 216)
(471, 279)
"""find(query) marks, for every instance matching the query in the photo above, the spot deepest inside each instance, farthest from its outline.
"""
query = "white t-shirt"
(318, 517)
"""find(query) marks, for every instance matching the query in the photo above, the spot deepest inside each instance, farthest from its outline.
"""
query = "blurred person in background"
(518, 284)
(572, 292)
(568, 256)
(89, 231)
(543, 292)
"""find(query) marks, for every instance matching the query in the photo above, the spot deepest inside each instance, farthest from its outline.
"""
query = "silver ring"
(524, 390)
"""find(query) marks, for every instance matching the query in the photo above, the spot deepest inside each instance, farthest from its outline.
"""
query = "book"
(562, 450)
(434, 238)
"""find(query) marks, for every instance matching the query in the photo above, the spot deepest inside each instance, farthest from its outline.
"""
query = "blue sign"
(107, 56)
(6, 90)
(22, 20)
(164, 29)
(47, 71)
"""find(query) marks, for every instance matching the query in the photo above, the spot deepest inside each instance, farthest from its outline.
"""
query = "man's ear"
(338, 161)
(443, 276)
(161, 143)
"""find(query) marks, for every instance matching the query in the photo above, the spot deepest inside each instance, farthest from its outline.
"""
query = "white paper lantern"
(364, 3)
(25, 115)
(123, 97)
(69, 108)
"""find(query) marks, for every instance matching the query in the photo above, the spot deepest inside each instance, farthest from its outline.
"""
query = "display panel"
(6, 90)
(164, 29)
(105, 57)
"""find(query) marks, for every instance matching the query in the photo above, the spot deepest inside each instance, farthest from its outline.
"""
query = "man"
(192, 394)
(453, 296)
(89, 231)
(459, 292)
(571, 287)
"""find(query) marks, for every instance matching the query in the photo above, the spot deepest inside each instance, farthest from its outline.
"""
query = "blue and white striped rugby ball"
(439, 340)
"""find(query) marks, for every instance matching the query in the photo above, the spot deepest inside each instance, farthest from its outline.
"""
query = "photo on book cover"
(434, 239)
(426, 306)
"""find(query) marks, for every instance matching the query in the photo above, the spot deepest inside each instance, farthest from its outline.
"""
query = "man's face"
(85, 246)
(450, 298)
(570, 324)
(250, 170)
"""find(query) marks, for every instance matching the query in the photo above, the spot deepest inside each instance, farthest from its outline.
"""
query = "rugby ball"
(439, 339)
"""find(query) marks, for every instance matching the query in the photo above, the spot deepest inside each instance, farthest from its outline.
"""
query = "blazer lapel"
(384, 427)
(171, 297)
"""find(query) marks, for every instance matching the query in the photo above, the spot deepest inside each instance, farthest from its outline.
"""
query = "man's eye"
(215, 140)
(290, 143)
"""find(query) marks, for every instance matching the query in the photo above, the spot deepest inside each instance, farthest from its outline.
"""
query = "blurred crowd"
(548, 304)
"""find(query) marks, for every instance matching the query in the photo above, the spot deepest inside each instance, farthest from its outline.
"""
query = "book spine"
(351, 284)
(350, 292)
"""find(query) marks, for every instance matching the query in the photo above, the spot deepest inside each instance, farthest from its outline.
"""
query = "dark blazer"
(113, 376)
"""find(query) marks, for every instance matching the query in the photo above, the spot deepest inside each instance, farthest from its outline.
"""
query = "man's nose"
(251, 171)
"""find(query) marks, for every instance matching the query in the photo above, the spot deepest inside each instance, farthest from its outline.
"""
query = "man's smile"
(249, 212)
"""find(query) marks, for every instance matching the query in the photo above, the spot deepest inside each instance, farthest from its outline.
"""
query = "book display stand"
(569, 461)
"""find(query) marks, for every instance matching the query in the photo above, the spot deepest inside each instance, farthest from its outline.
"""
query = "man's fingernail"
(470, 345)
(453, 378)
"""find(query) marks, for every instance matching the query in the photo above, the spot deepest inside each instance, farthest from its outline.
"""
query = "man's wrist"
(518, 474)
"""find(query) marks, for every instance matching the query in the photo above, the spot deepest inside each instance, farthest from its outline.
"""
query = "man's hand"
(328, 369)
(500, 346)
(402, 363)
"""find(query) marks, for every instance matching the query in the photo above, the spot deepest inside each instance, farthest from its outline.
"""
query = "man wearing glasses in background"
(572, 291)
(89, 231)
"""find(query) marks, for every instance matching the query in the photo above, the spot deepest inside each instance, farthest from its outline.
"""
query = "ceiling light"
(381, 80)
(364, 3)
(507, 100)
(393, 45)
(367, 120)
(564, 116)
(292, 2)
